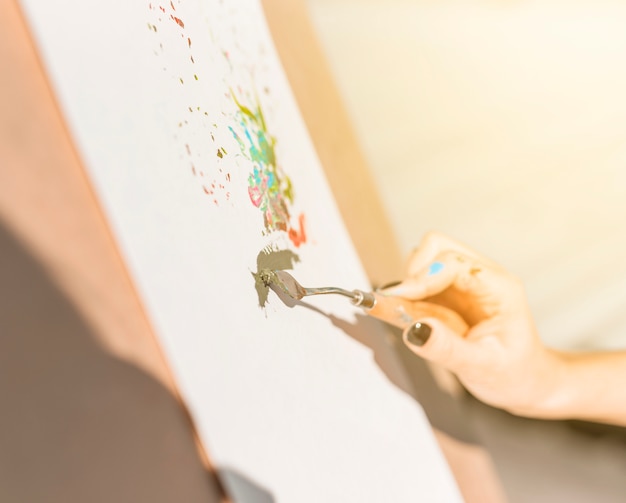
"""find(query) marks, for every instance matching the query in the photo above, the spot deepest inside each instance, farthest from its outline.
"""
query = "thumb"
(433, 340)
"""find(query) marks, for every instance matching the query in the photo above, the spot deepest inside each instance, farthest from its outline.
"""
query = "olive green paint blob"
(269, 260)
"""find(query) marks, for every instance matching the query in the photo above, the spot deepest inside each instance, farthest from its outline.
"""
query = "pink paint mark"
(256, 195)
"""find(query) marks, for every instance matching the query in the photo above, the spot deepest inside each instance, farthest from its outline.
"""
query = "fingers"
(447, 272)
(428, 281)
(425, 253)
(433, 340)
(432, 245)
(448, 268)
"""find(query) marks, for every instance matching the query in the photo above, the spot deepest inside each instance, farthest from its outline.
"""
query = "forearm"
(587, 386)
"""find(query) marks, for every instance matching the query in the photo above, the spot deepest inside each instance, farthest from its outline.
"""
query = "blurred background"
(503, 124)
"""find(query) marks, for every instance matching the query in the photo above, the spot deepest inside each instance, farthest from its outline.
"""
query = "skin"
(500, 358)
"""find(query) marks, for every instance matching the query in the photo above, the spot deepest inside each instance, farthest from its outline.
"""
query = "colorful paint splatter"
(213, 176)
(268, 187)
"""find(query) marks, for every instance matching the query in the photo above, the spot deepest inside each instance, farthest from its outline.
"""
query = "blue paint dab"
(435, 268)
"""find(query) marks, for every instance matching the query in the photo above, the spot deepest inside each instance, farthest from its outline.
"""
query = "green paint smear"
(269, 188)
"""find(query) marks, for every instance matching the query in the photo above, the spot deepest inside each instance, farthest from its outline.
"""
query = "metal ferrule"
(363, 299)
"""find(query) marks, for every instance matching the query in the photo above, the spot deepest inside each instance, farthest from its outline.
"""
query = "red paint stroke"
(178, 21)
(298, 237)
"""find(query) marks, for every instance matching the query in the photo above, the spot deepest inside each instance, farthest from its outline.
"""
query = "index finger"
(432, 245)
(452, 268)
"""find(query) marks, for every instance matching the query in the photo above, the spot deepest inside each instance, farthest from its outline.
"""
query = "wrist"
(554, 393)
(547, 390)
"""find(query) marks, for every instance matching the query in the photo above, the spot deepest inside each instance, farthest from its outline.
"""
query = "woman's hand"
(500, 358)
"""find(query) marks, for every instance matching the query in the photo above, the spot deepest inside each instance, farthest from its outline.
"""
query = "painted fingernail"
(434, 268)
(394, 291)
(388, 285)
(418, 333)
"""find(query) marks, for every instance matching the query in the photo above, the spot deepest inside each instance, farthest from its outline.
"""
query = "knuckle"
(431, 235)
(434, 240)
(448, 256)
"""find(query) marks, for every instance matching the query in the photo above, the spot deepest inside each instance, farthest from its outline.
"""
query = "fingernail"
(434, 268)
(394, 291)
(418, 333)
(389, 285)
(388, 288)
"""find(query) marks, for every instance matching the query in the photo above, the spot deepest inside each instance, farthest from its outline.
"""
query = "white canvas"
(164, 102)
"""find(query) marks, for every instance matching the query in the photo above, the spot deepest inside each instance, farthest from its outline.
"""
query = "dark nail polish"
(388, 285)
(418, 334)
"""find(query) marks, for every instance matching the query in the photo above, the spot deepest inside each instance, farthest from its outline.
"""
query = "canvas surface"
(196, 150)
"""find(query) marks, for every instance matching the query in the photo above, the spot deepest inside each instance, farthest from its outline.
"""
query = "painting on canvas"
(193, 142)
